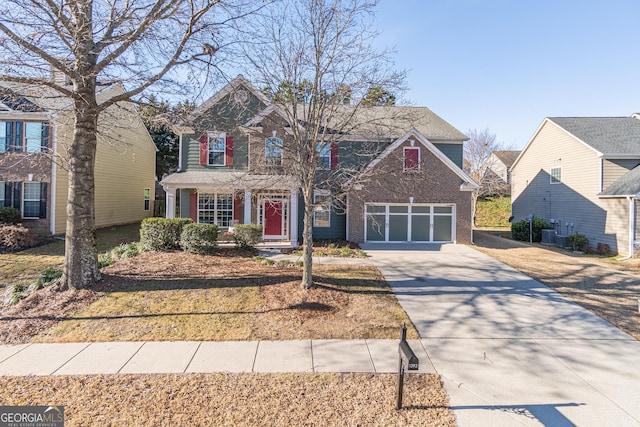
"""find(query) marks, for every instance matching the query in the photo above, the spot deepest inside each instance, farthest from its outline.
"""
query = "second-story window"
(18, 136)
(324, 155)
(556, 175)
(273, 151)
(411, 159)
(216, 150)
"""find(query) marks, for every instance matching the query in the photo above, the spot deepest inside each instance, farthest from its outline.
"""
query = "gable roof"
(14, 102)
(468, 182)
(234, 84)
(508, 157)
(627, 185)
(609, 136)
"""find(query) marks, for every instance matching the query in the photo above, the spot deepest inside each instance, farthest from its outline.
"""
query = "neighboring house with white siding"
(582, 174)
(36, 128)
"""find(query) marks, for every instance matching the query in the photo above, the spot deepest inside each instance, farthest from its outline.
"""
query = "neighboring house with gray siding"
(407, 183)
(582, 174)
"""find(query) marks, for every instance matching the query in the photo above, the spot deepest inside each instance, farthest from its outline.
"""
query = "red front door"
(273, 218)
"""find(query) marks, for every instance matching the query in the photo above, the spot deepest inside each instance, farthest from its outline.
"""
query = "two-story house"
(582, 174)
(36, 127)
(406, 186)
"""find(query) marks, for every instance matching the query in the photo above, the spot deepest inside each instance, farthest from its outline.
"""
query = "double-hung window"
(216, 150)
(18, 136)
(556, 175)
(322, 208)
(273, 151)
(215, 208)
(324, 154)
(147, 199)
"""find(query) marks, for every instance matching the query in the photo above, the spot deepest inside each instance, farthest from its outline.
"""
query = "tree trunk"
(307, 236)
(81, 255)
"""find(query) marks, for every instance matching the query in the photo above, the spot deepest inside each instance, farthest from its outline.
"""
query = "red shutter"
(228, 151)
(411, 159)
(193, 206)
(334, 155)
(204, 150)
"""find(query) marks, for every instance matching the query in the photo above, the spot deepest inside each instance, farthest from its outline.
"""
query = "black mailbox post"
(408, 359)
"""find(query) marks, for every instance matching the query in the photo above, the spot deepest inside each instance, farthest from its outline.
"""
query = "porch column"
(170, 200)
(247, 206)
(293, 229)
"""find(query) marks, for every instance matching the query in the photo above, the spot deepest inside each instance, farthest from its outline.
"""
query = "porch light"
(411, 199)
(30, 177)
(273, 132)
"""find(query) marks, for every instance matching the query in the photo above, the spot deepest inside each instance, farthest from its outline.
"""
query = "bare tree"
(477, 162)
(146, 44)
(317, 59)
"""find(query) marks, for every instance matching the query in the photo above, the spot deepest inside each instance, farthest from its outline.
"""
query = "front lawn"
(227, 296)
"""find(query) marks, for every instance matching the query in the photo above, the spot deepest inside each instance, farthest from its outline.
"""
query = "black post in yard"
(404, 352)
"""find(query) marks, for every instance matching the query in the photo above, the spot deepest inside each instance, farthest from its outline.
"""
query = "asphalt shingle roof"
(607, 135)
(627, 185)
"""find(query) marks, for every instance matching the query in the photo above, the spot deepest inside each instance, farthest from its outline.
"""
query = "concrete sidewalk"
(375, 356)
(511, 351)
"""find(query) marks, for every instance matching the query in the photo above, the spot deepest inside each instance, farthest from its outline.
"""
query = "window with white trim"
(215, 208)
(31, 200)
(411, 159)
(273, 151)
(18, 136)
(556, 175)
(324, 155)
(216, 150)
(322, 208)
(147, 199)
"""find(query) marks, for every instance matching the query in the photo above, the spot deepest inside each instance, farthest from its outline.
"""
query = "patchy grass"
(228, 296)
(236, 399)
(493, 212)
(23, 268)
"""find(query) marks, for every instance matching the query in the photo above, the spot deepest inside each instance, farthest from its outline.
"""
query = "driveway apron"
(510, 350)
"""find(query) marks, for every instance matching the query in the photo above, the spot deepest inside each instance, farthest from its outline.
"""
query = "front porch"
(227, 199)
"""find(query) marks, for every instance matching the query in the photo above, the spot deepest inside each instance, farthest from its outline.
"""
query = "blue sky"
(506, 65)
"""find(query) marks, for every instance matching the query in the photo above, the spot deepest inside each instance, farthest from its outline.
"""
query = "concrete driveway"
(510, 350)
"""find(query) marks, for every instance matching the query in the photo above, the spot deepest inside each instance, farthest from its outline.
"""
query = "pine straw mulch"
(606, 287)
(227, 296)
(235, 399)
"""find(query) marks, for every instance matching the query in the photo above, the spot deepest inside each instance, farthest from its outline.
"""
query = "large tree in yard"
(317, 62)
(142, 43)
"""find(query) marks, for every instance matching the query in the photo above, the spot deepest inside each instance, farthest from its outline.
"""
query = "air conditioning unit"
(562, 241)
(548, 237)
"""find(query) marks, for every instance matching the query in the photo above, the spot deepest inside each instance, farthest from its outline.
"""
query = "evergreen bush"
(9, 215)
(520, 229)
(246, 236)
(578, 241)
(199, 238)
(162, 234)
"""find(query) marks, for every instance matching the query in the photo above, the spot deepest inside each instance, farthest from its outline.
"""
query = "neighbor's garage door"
(409, 223)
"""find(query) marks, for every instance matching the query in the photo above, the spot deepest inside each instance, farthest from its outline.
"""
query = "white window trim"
(322, 193)
(404, 159)
(267, 158)
(211, 136)
(321, 158)
(551, 179)
(147, 198)
(215, 209)
(24, 199)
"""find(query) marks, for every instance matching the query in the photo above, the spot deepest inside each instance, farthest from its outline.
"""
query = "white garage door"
(409, 223)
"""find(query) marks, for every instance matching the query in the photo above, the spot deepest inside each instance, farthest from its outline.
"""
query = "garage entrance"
(409, 223)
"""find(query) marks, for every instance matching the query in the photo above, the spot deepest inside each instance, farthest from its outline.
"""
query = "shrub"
(105, 260)
(246, 236)
(199, 238)
(298, 264)
(47, 276)
(578, 241)
(162, 234)
(125, 250)
(603, 248)
(15, 238)
(520, 229)
(9, 215)
(14, 293)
